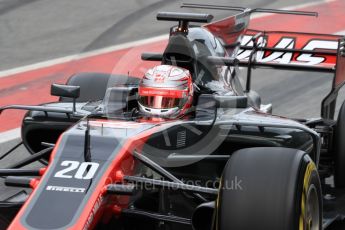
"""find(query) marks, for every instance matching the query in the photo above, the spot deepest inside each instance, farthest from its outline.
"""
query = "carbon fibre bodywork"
(232, 130)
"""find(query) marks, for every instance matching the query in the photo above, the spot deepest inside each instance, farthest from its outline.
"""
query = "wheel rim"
(310, 215)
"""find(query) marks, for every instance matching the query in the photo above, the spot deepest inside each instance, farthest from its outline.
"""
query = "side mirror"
(152, 56)
(69, 91)
(231, 102)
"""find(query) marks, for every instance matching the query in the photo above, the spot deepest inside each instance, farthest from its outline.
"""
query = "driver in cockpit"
(166, 91)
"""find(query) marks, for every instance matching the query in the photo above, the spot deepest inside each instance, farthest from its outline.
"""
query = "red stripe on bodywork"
(123, 162)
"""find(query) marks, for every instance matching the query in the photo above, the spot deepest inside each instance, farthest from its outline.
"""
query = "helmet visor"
(160, 102)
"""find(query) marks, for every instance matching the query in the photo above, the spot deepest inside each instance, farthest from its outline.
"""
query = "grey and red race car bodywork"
(108, 166)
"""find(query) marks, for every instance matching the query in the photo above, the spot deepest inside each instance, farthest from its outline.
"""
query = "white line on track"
(10, 72)
(15, 133)
(340, 32)
(9, 135)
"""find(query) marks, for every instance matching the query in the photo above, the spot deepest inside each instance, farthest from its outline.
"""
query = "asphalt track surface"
(33, 31)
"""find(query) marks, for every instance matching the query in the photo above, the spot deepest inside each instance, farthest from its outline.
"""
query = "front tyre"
(279, 188)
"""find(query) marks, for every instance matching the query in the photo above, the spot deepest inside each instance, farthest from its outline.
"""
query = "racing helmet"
(165, 91)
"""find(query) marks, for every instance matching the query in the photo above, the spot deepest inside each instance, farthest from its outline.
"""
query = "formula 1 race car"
(115, 159)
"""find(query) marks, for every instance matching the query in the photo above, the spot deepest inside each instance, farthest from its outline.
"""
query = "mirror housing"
(152, 56)
(231, 102)
(70, 91)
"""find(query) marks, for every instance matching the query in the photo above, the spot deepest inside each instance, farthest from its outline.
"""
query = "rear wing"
(297, 51)
(274, 49)
(280, 50)
(230, 30)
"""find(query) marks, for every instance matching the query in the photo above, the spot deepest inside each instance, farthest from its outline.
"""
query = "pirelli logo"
(65, 189)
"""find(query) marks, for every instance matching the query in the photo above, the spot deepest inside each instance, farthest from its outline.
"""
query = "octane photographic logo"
(179, 141)
(233, 184)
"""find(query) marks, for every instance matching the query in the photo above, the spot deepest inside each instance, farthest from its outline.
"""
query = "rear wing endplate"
(297, 51)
